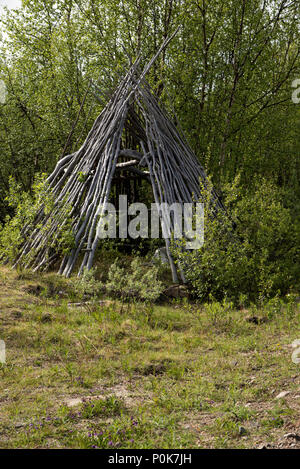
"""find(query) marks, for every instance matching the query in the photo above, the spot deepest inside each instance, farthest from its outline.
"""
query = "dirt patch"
(120, 391)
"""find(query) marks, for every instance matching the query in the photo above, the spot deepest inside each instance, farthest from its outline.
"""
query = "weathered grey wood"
(126, 164)
(171, 167)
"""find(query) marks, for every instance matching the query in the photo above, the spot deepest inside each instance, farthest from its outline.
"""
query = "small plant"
(276, 417)
(25, 208)
(121, 434)
(87, 285)
(109, 406)
(81, 176)
(137, 283)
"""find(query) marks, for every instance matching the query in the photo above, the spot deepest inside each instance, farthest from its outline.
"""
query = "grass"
(105, 375)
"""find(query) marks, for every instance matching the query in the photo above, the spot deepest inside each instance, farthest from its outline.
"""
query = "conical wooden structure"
(161, 155)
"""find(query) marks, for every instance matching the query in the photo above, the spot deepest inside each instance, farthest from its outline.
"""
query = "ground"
(105, 375)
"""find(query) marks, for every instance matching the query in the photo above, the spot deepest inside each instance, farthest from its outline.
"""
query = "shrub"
(137, 282)
(86, 286)
(256, 260)
(25, 207)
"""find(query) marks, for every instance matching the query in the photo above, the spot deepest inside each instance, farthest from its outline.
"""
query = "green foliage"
(257, 260)
(276, 416)
(121, 434)
(218, 74)
(87, 285)
(137, 282)
(81, 176)
(25, 207)
(109, 406)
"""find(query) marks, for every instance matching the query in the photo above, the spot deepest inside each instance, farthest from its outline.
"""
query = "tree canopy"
(227, 79)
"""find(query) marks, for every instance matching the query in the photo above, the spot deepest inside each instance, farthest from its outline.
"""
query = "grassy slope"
(176, 376)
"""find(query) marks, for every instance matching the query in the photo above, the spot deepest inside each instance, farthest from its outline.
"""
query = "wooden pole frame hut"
(161, 155)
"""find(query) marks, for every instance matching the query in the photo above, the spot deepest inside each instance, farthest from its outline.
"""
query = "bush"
(137, 282)
(86, 286)
(25, 207)
(258, 259)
